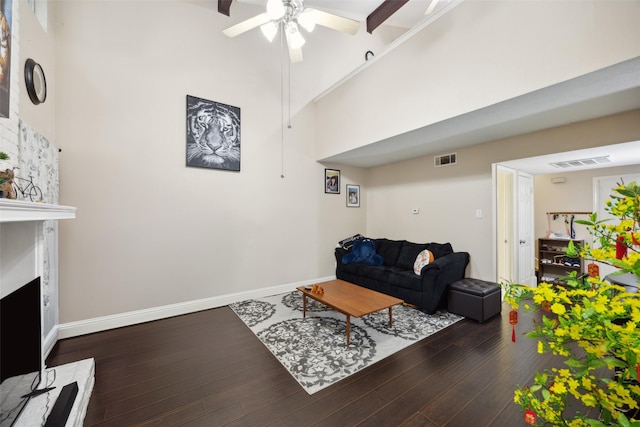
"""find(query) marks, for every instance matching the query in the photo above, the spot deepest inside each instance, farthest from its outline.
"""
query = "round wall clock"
(35, 81)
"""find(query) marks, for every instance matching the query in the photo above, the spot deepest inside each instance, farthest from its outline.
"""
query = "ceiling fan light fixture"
(275, 9)
(294, 38)
(269, 30)
(286, 16)
(307, 20)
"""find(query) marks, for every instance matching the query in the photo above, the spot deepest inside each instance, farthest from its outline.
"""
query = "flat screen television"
(21, 362)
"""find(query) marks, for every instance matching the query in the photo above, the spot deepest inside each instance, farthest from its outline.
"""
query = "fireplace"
(21, 361)
(22, 265)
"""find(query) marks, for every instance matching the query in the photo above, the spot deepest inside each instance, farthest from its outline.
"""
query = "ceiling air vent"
(581, 162)
(445, 160)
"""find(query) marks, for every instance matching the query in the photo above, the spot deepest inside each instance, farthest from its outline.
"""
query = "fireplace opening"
(21, 364)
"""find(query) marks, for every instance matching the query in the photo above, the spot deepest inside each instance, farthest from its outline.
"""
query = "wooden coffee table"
(350, 299)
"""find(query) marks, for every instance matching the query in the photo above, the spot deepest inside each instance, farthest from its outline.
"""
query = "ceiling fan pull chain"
(281, 101)
(289, 75)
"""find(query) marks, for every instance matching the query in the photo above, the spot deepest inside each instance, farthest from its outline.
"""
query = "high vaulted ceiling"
(598, 94)
(408, 15)
(604, 92)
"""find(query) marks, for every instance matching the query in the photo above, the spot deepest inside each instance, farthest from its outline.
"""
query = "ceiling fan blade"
(247, 25)
(295, 54)
(334, 22)
(383, 12)
(224, 7)
(431, 7)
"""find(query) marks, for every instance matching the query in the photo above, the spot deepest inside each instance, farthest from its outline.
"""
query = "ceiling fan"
(288, 16)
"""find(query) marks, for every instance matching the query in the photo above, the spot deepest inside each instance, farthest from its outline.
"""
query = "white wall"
(449, 196)
(573, 195)
(149, 231)
(479, 54)
(26, 136)
(38, 44)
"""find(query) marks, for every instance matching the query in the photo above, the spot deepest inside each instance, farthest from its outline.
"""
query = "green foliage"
(593, 325)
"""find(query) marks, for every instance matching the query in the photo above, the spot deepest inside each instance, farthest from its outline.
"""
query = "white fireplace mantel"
(22, 243)
(20, 210)
(29, 250)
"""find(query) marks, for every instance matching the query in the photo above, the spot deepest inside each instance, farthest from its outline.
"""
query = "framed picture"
(5, 56)
(332, 181)
(353, 196)
(213, 134)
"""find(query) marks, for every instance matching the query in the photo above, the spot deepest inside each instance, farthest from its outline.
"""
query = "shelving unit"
(553, 264)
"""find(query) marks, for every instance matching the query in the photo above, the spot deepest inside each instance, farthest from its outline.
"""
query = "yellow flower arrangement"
(594, 325)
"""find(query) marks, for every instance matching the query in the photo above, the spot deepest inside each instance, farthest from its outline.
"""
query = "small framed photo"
(353, 196)
(332, 181)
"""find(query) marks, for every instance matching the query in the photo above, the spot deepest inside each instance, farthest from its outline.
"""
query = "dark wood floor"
(208, 369)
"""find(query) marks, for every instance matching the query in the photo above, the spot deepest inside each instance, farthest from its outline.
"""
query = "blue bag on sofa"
(363, 251)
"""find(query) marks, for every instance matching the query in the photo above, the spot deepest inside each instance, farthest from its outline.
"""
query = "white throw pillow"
(423, 258)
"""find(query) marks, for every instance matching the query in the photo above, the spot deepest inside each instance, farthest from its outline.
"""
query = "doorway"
(505, 187)
(505, 179)
(514, 228)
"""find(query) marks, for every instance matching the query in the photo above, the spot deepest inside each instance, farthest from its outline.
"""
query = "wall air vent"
(445, 160)
(581, 162)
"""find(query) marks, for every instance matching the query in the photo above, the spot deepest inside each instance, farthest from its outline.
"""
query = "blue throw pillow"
(364, 252)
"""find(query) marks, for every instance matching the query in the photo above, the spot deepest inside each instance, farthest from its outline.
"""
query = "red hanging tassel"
(513, 320)
(530, 417)
(621, 248)
(593, 269)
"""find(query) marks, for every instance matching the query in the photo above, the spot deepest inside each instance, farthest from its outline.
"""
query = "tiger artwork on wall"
(213, 134)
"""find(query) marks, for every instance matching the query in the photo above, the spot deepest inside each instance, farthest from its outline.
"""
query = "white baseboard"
(82, 327)
(49, 341)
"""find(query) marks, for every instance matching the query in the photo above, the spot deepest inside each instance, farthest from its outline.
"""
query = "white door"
(505, 212)
(525, 234)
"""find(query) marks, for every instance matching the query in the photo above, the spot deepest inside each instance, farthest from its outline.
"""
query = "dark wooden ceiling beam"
(382, 13)
(224, 7)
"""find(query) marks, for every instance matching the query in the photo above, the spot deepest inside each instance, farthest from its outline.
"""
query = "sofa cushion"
(440, 249)
(423, 258)
(376, 272)
(388, 250)
(408, 253)
(403, 278)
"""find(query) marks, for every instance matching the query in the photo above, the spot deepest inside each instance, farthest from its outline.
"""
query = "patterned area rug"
(314, 350)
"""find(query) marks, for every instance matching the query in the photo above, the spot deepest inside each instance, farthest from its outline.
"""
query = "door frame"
(512, 247)
(501, 211)
(524, 229)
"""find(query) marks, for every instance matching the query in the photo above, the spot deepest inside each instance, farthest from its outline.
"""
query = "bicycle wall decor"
(26, 188)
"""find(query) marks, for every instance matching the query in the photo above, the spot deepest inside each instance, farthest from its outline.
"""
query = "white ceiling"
(604, 92)
(608, 91)
(623, 154)
(406, 17)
